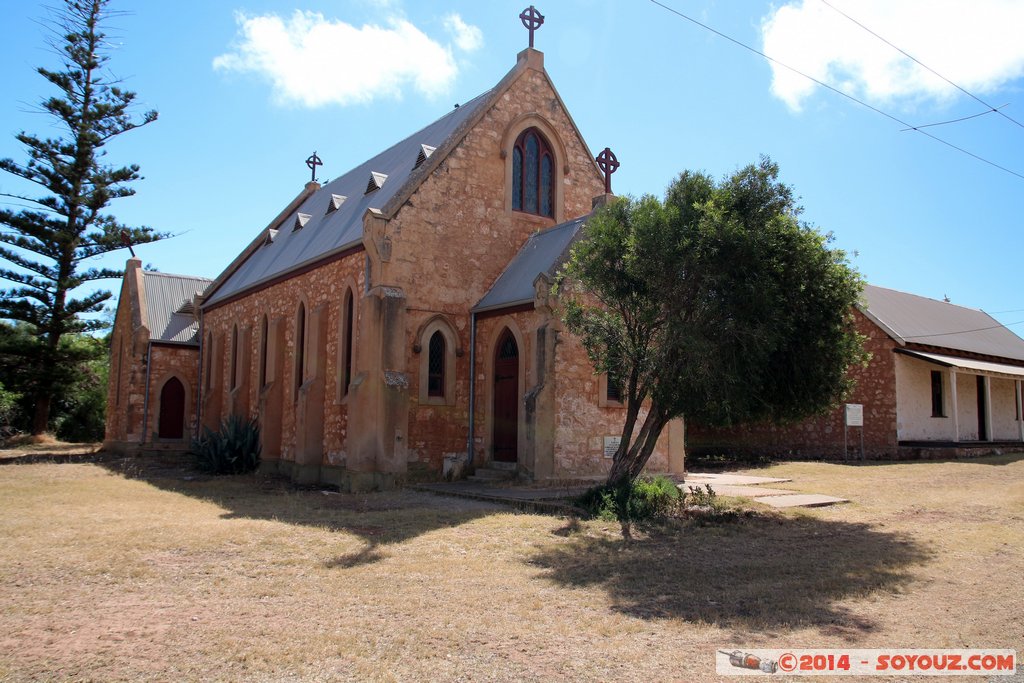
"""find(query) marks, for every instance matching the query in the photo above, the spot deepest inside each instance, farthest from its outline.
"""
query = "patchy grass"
(116, 569)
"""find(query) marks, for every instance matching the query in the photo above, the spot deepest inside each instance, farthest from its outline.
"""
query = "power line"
(946, 334)
(963, 118)
(836, 90)
(917, 61)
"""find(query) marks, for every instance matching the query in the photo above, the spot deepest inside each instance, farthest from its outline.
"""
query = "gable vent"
(425, 152)
(301, 220)
(336, 201)
(269, 239)
(376, 182)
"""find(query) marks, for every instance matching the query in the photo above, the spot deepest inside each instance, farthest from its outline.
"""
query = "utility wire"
(836, 90)
(946, 334)
(917, 61)
(964, 118)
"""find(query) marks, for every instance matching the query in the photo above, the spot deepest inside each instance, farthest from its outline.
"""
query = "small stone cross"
(532, 20)
(608, 164)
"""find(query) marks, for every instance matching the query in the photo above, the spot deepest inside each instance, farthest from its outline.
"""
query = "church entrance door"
(172, 410)
(506, 399)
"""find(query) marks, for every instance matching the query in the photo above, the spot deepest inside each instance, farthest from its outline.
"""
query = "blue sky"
(247, 89)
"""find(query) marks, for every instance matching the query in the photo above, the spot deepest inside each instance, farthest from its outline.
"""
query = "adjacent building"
(943, 380)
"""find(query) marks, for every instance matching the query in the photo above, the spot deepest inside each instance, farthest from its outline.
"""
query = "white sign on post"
(854, 415)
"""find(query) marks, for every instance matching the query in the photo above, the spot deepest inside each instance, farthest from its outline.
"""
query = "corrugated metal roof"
(330, 227)
(542, 253)
(968, 364)
(165, 294)
(920, 320)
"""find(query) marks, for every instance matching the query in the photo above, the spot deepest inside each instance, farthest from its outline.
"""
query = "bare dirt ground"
(116, 569)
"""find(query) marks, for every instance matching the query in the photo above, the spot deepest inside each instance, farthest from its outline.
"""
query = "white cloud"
(466, 36)
(975, 44)
(314, 61)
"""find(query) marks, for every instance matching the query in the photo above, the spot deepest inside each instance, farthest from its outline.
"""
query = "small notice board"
(611, 444)
(854, 418)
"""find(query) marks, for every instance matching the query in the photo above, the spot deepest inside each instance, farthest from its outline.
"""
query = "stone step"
(487, 474)
(498, 465)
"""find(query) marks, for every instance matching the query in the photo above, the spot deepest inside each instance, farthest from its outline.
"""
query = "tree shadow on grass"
(377, 519)
(763, 573)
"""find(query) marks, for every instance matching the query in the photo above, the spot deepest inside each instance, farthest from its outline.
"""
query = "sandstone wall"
(822, 437)
(322, 288)
(166, 361)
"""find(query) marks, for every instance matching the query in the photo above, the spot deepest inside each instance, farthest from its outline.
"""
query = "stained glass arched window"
(435, 365)
(533, 174)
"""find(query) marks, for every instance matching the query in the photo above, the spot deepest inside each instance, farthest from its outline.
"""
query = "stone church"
(396, 318)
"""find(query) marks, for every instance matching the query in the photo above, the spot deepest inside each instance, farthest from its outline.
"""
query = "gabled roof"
(168, 297)
(382, 184)
(544, 253)
(909, 318)
(327, 225)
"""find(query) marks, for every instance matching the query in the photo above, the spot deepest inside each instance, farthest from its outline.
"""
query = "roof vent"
(425, 152)
(376, 182)
(300, 221)
(336, 201)
(269, 239)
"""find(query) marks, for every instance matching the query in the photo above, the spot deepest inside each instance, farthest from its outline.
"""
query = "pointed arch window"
(348, 316)
(533, 174)
(234, 357)
(264, 342)
(435, 365)
(437, 345)
(209, 360)
(300, 348)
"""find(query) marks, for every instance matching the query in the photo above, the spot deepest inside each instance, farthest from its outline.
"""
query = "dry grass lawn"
(111, 570)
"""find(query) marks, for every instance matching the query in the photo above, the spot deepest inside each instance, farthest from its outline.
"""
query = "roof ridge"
(150, 273)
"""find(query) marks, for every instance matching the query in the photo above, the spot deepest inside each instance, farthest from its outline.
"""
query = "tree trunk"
(41, 418)
(628, 465)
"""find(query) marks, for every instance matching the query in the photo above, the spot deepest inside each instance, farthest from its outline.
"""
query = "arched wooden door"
(172, 410)
(506, 399)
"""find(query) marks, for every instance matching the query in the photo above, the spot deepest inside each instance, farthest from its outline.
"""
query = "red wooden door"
(506, 399)
(172, 410)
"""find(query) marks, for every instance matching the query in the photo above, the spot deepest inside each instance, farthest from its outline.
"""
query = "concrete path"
(747, 486)
(557, 499)
(731, 479)
(800, 500)
(744, 491)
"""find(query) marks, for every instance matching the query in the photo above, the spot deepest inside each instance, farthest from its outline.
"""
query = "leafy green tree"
(718, 303)
(77, 412)
(48, 244)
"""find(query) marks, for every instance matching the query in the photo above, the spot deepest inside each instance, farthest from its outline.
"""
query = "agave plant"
(234, 449)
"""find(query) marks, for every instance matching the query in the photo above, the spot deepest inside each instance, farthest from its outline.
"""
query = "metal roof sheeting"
(920, 320)
(542, 253)
(968, 364)
(165, 295)
(335, 225)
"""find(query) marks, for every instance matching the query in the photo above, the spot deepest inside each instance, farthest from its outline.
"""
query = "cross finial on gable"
(313, 161)
(126, 238)
(608, 164)
(532, 20)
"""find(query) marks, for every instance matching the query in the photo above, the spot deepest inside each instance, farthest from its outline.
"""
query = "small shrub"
(703, 498)
(235, 449)
(645, 499)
